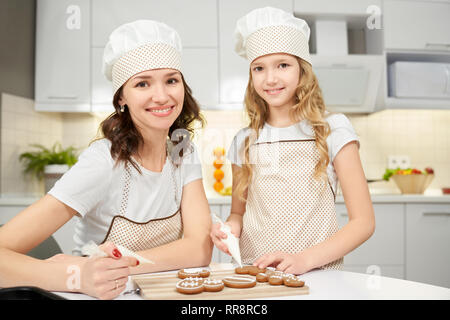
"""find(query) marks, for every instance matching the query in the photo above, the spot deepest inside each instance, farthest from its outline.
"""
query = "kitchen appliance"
(343, 85)
(427, 80)
(349, 83)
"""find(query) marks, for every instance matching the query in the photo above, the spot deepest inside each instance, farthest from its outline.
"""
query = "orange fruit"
(219, 151)
(218, 186)
(218, 163)
(218, 174)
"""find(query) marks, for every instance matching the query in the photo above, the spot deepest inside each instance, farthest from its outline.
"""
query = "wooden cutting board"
(162, 286)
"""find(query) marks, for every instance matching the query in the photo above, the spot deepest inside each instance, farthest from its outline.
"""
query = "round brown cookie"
(253, 270)
(189, 287)
(213, 285)
(183, 274)
(239, 281)
(293, 282)
(287, 276)
(242, 270)
(276, 280)
(262, 277)
(204, 273)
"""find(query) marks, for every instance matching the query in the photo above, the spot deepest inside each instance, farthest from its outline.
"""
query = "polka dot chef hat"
(271, 30)
(140, 46)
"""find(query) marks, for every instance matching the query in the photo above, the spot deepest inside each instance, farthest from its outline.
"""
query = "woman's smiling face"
(154, 98)
(275, 78)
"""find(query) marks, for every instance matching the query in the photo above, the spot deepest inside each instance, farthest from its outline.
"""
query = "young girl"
(286, 164)
(134, 187)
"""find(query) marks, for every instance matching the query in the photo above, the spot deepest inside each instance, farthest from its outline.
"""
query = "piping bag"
(231, 241)
(91, 249)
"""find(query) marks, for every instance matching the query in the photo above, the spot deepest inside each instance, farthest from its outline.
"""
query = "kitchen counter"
(376, 198)
(432, 196)
(333, 285)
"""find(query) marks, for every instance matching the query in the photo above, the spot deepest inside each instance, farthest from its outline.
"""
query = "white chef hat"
(271, 30)
(140, 46)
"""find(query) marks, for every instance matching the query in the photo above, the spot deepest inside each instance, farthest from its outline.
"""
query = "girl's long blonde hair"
(310, 106)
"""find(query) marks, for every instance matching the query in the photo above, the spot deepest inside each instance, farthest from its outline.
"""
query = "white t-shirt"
(93, 187)
(342, 132)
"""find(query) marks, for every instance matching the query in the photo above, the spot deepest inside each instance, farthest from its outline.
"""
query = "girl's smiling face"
(154, 98)
(275, 78)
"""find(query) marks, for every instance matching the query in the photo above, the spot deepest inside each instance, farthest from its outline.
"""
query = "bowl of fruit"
(410, 181)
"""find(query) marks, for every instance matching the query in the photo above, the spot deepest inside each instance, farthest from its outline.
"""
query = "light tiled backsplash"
(424, 135)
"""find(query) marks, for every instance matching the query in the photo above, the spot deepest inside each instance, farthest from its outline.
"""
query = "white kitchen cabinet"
(427, 240)
(195, 21)
(332, 7)
(101, 88)
(233, 69)
(416, 25)
(200, 70)
(62, 56)
(386, 248)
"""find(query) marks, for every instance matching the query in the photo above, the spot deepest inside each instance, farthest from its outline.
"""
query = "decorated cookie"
(198, 279)
(275, 280)
(252, 270)
(189, 287)
(204, 273)
(293, 281)
(213, 285)
(255, 270)
(239, 281)
(243, 270)
(183, 274)
(262, 277)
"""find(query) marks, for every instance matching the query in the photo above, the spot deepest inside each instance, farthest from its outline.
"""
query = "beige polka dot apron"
(287, 209)
(138, 236)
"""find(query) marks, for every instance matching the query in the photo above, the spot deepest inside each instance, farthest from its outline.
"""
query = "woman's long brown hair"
(310, 106)
(125, 137)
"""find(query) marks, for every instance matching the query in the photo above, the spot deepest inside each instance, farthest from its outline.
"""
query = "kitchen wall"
(22, 126)
(421, 134)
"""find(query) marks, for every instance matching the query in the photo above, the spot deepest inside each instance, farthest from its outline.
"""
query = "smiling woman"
(139, 186)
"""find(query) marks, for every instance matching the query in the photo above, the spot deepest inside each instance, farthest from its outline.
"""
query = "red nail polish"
(116, 253)
(137, 263)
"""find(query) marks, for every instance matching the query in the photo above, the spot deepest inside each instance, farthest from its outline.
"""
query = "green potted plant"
(48, 164)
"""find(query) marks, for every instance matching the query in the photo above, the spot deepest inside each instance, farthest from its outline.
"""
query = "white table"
(332, 285)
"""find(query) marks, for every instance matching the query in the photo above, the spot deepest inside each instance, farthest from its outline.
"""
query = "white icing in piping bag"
(231, 241)
(92, 250)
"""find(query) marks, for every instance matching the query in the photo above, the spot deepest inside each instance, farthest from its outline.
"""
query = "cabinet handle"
(436, 214)
(430, 44)
(62, 97)
(447, 84)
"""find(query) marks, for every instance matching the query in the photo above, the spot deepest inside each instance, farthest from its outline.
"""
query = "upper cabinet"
(71, 36)
(62, 56)
(195, 21)
(417, 50)
(417, 25)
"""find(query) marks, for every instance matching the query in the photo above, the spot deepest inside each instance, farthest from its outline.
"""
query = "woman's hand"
(297, 263)
(106, 277)
(217, 235)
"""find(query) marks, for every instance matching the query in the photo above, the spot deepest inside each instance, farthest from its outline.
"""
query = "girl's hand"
(217, 235)
(106, 277)
(296, 263)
